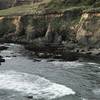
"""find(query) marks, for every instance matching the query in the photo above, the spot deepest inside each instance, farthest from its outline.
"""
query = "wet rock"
(2, 60)
(14, 56)
(98, 54)
(36, 60)
(94, 52)
(82, 50)
(3, 47)
(80, 59)
(50, 60)
(43, 55)
(1, 57)
(70, 56)
(58, 56)
(77, 50)
(8, 56)
(30, 97)
(13, 53)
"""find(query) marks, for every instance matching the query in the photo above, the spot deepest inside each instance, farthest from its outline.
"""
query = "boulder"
(29, 97)
(2, 59)
(3, 47)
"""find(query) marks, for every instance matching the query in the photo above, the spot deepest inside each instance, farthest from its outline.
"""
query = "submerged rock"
(51, 60)
(2, 59)
(14, 55)
(70, 56)
(30, 97)
(36, 60)
(3, 47)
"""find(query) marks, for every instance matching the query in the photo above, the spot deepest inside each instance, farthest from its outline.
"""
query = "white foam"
(91, 63)
(7, 51)
(7, 58)
(84, 99)
(94, 64)
(96, 91)
(35, 85)
(68, 64)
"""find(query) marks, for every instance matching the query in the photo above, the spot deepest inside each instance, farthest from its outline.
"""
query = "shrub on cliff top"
(88, 2)
(6, 27)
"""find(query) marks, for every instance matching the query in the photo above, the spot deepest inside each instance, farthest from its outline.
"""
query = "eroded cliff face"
(7, 25)
(10, 27)
(47, 28)
(88, 32)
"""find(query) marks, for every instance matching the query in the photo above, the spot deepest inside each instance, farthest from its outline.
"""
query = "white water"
(73, 64)
(67, 64)
(82, 77)
(34, 85)
(96, 91)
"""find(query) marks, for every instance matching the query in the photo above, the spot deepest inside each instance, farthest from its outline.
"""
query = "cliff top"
(45, 6)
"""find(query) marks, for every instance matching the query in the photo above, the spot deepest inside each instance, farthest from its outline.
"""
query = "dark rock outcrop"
(2, 59)
(3, 47)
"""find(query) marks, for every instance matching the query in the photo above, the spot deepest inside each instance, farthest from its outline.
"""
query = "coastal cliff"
(44, 26)
(88, 32)
(50, 27)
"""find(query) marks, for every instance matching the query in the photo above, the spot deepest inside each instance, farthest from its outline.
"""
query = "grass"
(20, 10)
(24, 9)
(96, 10)
(33, 9)
(41, 7)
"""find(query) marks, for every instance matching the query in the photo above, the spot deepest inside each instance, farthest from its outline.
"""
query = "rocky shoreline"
(76, 54)
(46, 39)
(62, 54)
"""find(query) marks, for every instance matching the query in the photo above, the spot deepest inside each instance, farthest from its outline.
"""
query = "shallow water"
(21, 78)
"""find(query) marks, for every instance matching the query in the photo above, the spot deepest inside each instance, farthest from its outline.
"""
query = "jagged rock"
(50, 60)
(3, 47)
(1, 59)
(88, 32)
(36, 60)
(14, 56)
(49, 34)
(30, 97)
(43, 55)
(70, 56)
(8, 56)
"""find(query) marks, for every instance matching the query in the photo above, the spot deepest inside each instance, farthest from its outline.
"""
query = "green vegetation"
(62, 15)
(6, 26)
(7, 1)
(47, 6)
(25, 9)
